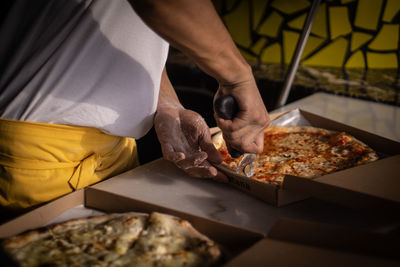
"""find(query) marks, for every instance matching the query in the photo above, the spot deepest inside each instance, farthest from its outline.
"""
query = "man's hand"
(246, 131)
(185, 140)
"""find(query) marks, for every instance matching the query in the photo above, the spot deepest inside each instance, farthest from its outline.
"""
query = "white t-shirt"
(80, 62)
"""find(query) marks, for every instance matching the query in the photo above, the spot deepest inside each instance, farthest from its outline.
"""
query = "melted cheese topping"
(304, 153)
(95, 242)
(170, 241)
(156, 240)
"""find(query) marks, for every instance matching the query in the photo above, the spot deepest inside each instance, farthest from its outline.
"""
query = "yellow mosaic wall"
(345, 33)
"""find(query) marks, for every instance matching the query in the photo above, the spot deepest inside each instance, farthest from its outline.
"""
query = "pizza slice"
(171, 241)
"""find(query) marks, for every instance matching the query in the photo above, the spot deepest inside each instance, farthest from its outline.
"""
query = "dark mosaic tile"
(379, 85)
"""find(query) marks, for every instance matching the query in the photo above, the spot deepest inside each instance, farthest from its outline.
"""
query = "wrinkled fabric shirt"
(86, 63)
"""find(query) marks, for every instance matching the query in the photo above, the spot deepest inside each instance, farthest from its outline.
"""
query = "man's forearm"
(167, 96)
(194, 27)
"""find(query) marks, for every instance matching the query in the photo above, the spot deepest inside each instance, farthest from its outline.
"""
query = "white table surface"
(161, 183)
(378, 118)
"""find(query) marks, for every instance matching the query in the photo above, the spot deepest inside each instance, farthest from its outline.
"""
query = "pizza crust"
(296, 129)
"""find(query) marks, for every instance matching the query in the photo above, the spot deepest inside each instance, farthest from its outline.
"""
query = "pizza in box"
(118, 239)
(302, 151)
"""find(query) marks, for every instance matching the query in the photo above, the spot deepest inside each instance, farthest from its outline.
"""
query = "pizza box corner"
(358, 187)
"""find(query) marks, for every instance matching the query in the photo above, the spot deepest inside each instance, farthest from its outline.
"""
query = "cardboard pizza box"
(372, 187)
(233, 240)
(362, 183)
(289, 243)
(300, 243)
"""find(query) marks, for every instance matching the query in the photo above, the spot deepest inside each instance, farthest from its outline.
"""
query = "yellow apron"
(40, 161)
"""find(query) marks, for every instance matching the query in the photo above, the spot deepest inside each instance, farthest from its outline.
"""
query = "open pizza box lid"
(371, 187)
(91, 202)
(301, 243)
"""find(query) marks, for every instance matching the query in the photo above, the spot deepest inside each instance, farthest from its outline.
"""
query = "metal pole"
(294, 63)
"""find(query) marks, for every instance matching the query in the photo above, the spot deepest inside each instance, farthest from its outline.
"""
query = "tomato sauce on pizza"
(303, 151)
